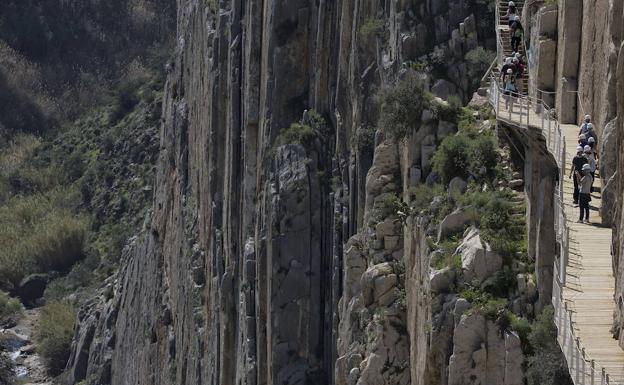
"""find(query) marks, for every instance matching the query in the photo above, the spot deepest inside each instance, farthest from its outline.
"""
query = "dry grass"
(54, 334)
(39, 233)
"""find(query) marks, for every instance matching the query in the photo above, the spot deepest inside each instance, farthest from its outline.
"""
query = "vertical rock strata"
(257, 265)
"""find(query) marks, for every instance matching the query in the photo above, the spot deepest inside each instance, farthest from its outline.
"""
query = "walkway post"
(583, 366)
(578, 358)
(593, 371)
(566, 252)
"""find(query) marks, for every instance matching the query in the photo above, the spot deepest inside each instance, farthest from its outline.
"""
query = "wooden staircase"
(505, 37)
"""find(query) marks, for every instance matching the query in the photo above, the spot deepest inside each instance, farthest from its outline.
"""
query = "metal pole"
(578, 358)
(549, 133)
(583, 367)
(566, 253)
(593, 371)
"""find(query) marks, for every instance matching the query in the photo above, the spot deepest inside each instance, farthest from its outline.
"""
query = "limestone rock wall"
(254, 266)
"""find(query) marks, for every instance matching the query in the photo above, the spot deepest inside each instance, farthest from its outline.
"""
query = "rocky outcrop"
(478, 260)
(484, 354)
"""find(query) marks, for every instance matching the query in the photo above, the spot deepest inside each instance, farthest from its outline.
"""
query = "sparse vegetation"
(54, 334)
(8, 306)
(401, 108)
(372, 27)
(469, 153)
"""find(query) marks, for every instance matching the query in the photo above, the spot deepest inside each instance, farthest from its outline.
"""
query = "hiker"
(585, 126)
(516, 34)
(591, 160)
(584, 181)
(591, 133)
(511, 12)
(510, 88)
(518, 56)
(591, 142)
(506, 66)
(577, 165)
(582, 140)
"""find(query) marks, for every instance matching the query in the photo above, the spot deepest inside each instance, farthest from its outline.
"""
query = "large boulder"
(32, 288)
(479, 262)
(455, 222)
(457, 186)
(441, 280)
(484, 354)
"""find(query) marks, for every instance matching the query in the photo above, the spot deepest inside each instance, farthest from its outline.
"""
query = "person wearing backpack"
(585, 181)
(517, 31)
(577, 165)
(591, 160)
(585, 126)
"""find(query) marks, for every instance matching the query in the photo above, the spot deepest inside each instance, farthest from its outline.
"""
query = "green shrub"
(371, 27)
(297, 133)
(478, 61)
(401, 108)
(546, 366)
(468, 153)
(54, 334)
(8, 306)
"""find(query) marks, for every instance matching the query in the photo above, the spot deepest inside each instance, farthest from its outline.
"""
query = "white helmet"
(508, 60)
(587, 149)
(587, 118)
(512, 4)
(591, 140)
(579, 149)
(590, 126)
(586, 167)
(509, 71)
(518, 55)
(582, 136)
(517, 18)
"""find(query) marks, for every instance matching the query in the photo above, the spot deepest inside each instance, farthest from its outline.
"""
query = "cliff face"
(239, 275)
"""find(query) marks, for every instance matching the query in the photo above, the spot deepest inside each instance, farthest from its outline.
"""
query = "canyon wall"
(245, 270)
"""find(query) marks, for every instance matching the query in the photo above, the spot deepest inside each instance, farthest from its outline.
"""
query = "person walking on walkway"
(577, 165)
(585, 126)
(585, 182)
(591, 133)
(591, 161)
(511, 12)
(517, 31)
(582, 140)
(510, 88)
(591, 142)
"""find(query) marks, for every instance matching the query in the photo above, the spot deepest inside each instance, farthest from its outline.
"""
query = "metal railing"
(530, 113)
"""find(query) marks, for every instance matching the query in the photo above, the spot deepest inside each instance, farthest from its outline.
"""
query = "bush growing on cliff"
(371, 27)
(402, 107)
(54, 334)
(546, 364)
(468, 153)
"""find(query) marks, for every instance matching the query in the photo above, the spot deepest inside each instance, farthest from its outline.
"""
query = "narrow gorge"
(295, 192)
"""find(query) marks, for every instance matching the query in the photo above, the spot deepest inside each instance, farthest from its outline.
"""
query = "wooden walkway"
(584, 303)
(590, 284)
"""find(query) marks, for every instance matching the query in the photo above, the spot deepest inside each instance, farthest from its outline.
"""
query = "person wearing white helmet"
(509, 83)
(508, 64)
(585, 181)
(511, 12)
(591, 133)
(577, 165)
(582, 140)
(517, 32)
(591, 161)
